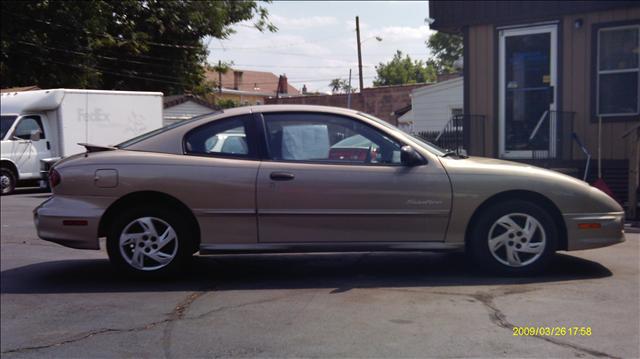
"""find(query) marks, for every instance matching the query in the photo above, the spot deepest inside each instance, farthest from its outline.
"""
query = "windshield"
(425, 144)
(160, 130)
(5, 124)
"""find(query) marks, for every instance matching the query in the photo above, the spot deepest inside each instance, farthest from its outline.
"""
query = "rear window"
(160, 130)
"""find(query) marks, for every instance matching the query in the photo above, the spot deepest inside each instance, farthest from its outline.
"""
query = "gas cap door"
(106, 178)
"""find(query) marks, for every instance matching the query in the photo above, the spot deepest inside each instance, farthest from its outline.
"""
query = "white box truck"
(47, 125)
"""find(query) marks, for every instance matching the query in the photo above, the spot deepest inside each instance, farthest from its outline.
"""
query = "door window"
(226, 137)
(27, 126)
(528, 89)
(328, 138)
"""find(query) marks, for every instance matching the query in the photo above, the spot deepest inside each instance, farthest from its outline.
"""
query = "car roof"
(287, 108)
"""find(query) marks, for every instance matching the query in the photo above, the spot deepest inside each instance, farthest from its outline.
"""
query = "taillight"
(54, 178)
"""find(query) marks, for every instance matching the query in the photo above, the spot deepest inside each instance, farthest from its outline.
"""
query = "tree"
(341, 86)
(445, 49)
(226, 103)
(403, 70)
(128, 44)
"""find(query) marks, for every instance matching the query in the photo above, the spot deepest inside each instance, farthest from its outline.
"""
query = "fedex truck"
(41, 127)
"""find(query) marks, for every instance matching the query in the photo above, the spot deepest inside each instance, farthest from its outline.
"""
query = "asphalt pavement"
(61, 302)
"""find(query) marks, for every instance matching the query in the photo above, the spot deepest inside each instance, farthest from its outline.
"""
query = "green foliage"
(403, 70)
(446, 49)
(341, 86)
(226, 103)
(127, 44)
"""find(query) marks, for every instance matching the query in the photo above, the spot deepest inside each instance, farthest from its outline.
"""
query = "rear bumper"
(71, 222)
(609, 232)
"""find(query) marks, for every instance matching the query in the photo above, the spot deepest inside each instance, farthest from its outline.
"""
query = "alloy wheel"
(148, 243)
(517, 239)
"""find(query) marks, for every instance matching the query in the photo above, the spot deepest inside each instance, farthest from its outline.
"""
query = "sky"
(316, 40)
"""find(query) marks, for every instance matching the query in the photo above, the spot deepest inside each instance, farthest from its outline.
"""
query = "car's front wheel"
(514, 237)
(149, 242)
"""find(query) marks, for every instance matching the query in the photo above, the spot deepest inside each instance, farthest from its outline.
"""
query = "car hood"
(482, 176)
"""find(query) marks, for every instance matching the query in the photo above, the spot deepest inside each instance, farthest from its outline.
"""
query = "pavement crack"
(86, 335)
(177, 314)
(500, 319)
(235, 306)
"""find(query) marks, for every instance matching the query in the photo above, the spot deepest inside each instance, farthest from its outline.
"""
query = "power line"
(168, 80)
(155, 43)
(225, 48)
(110, 58)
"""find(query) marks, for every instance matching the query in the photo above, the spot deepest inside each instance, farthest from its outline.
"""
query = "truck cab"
(26, 140)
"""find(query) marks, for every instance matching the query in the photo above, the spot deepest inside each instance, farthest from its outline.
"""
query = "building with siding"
(183, 107)
(540, 74)
(433, 106)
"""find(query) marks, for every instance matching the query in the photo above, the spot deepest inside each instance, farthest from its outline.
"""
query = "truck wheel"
(149, 242)
(513, 238)
(7, 181)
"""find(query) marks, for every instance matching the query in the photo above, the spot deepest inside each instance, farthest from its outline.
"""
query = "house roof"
(252, 81)
(173, 100)
(401, 111)
(451, 16)
(21, 89)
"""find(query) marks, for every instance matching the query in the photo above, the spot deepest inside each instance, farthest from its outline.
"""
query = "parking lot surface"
(61, 302)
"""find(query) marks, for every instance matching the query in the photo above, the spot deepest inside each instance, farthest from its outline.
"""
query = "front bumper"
(71, 222)
(609, 232)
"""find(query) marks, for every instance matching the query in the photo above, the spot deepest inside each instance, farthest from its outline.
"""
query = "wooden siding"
(481, 90)
(575, 78)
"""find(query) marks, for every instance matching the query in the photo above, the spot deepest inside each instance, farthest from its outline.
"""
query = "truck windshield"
(5, 124)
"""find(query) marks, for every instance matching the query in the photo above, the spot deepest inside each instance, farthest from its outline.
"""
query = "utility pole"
(349, 91)
(359, 52)
(219, 76)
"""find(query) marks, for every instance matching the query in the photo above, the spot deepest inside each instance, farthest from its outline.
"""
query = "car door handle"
(282, 176)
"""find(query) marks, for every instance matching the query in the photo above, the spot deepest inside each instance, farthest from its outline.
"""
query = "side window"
(618, 71)
(28, 125)
(227, 137)
(327, 138)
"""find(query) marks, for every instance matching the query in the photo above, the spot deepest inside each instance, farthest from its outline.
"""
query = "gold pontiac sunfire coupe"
(292, 178)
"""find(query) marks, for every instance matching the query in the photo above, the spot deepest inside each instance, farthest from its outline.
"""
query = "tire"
(515, 226)
(8, 181)
(160, 242)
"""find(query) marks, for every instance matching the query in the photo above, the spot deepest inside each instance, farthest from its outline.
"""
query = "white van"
(47, 125)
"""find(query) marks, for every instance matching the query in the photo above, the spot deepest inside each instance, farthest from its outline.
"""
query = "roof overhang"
(452, 16)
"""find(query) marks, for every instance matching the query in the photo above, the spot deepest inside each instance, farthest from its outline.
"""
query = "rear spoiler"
(96, 148)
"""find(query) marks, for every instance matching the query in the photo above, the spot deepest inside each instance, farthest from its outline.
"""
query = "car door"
(331, 178)
(27, 153)
(219, 179)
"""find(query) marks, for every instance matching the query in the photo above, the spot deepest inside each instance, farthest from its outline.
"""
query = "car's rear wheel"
(149, 242)
(514, 237)
(7, 181)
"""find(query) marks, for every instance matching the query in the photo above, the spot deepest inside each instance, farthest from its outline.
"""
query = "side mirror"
(36, 135)
(410, 157)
